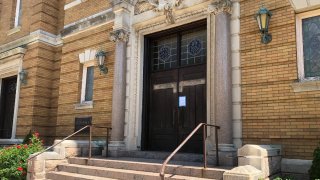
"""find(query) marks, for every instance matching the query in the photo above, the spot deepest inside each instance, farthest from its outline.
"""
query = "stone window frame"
(299, 36)
(17, 18)
(16, 26)
(87, 59)
(84, 82)
(304, 84)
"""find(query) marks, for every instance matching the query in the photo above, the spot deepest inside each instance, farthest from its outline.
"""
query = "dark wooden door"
(7, 99)
(177, 90)
(163, 111)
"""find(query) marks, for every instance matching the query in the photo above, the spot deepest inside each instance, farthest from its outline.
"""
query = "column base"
(227, 155)
(115, 149)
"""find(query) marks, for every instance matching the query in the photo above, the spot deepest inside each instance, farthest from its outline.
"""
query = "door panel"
(8, 94)
(192, 85)
(162, 119)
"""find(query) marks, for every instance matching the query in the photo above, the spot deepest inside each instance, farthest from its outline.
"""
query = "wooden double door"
(177, 90)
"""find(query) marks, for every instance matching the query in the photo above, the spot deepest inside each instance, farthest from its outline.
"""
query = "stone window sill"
(84, 105)
(306, 85)
(14, 30)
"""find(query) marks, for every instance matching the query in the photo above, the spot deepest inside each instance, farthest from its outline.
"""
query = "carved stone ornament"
(119, 35)
(220, 6)
(165, 6)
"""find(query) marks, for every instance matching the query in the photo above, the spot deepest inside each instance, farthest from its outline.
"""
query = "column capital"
(220, 6)
(119, 35)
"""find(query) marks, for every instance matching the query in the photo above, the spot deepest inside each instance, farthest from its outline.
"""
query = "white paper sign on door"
(182, 101)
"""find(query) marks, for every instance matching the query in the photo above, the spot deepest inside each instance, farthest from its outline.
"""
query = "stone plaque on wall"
(81, 122)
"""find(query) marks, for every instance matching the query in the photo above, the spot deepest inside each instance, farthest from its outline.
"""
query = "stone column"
(223, 71)
(120, 37)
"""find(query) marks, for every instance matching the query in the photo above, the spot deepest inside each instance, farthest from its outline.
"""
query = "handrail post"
(217, 148)
(204, 146)
(107, 143)
(90, 139)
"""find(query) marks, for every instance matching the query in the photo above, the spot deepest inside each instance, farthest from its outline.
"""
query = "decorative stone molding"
(220, 6)
(88, 22)
(165, 6)
(119, 35)
(18, 50)
(304, 5)
(87, 55)
(142, 6)
(36, 36)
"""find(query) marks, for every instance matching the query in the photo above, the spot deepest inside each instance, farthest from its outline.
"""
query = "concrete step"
(188, 157)
(122, 174)
(138, 164)
(58, 175)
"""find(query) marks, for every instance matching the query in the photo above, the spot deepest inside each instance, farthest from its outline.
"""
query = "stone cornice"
(220, 6)
(12, 52)
(94, 20)
(36, 36)
(119, 35)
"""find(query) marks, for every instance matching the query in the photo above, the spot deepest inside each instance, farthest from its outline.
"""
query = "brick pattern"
(71, 79)
(85, 9)
(38, 98)
(272, 113)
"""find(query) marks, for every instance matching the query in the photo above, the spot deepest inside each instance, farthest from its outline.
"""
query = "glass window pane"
(311, 46)
(164, 53)
(89, 83)
(194, 47)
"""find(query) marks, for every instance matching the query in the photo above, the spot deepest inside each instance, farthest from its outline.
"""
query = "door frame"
(146, 93)
(8, 69)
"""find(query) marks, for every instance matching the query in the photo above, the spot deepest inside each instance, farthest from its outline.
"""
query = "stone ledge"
(304, 86)
(14, 30)
(87, 105)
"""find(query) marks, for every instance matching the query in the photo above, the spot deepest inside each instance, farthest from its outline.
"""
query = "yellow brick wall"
(38, 98)
(85, 9)
(272, 113)
(6, 19)
(71, 77)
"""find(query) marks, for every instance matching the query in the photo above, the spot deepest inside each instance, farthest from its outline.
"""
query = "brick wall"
(272, 113)
(38, 98)
(71, 77)
(85, 9)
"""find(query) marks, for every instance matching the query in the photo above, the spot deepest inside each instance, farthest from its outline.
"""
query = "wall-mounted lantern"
(101, 57)
(23, 76)
(263, 17)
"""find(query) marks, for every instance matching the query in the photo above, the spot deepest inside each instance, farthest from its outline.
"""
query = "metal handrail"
(90, 139)
(204, 147)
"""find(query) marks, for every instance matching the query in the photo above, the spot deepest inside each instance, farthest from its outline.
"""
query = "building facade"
(170, 66)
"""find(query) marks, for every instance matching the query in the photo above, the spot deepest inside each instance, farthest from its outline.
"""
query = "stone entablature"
(88, 22)
(36, 36)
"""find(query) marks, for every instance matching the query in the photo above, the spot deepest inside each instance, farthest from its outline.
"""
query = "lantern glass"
(263, 21)
(101, 60)
(259, 21)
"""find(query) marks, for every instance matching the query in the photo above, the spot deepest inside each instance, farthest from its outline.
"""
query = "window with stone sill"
(308, 49)
(87, 83)
(308, 45)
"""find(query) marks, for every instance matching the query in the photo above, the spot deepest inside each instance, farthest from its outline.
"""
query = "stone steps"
(72, 176)
(127, 169)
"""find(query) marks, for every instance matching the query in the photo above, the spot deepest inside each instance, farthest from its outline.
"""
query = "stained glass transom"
(311, 46)
(193, 47)
(164, 53)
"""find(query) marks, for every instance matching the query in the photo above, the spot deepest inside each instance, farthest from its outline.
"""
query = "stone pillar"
(120, 37)
(222, 70)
